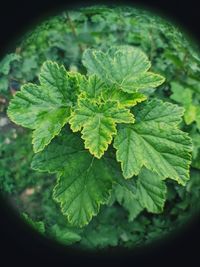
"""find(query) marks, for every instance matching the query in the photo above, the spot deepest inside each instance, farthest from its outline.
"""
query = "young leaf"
(151, 191)
(184, 96)
(92, 86)
(44, 108)
(123, 66)
(99, 123)
(180, 94)
(124, 99)
(155, 142)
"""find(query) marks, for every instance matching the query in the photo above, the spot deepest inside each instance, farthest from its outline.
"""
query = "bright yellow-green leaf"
(123, 98)
(98, 123)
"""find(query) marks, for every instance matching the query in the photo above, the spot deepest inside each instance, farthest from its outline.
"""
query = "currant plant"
(102, 136)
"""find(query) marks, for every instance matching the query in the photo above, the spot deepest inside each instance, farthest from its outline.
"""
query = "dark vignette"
(18, 241)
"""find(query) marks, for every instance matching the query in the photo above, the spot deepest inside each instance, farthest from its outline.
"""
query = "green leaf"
(129, 200)
(151, 191)
(190, 114)
(5, 63)
(44, 108)
(155, 142)
(4, 84)
(142, 81)
(124, 99)
(181, 94)
(39, 225)
(92, 86)
(83, 181)
(82, 187)
(184, 96)
(98, 121)
(198, 117)
(55, 157)
(123, 66)
(64, 235)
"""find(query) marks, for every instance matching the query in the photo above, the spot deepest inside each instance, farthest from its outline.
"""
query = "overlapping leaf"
(123, 98)
(84, 183)
(148, 192)
(151, 191)
(54, 158)
(155, 142)
(98, 121)
(184, 96)
(129, 200)
(124, 66)
(44, 108)
(92, 86)
(82, 187)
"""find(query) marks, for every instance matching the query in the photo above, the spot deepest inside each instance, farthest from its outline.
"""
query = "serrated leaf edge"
(69, 218)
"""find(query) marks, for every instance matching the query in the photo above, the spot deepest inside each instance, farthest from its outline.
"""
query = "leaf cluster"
(103, 106)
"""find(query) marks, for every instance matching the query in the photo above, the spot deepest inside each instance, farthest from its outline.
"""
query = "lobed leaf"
(155, 142)
(98, 123)
(151, 191)
(55, 157)
(44, 108)
(84, 183)
(123, 98)
(128, 200)
(123, 66)
(92, 86)
(82, 187)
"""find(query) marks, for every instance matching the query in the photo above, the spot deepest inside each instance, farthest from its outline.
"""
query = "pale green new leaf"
(190, 114)
(198, 117)
(184, 96)
(181, 94)
(92, 86)
(98, 123)
(155, 142)
(151, 191)
(123, 66)
(124, 99)
(44, 108)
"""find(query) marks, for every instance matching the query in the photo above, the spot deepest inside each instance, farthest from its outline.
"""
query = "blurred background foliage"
(63, 38)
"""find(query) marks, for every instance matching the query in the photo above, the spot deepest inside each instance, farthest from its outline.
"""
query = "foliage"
(39, 226)
(174, 57)
(146, 136)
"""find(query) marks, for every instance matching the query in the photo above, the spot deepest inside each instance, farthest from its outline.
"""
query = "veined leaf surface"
(151, 191)
(44, 108)
(155, 142)
(98, 123)
(84, 182)
(123, 66)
